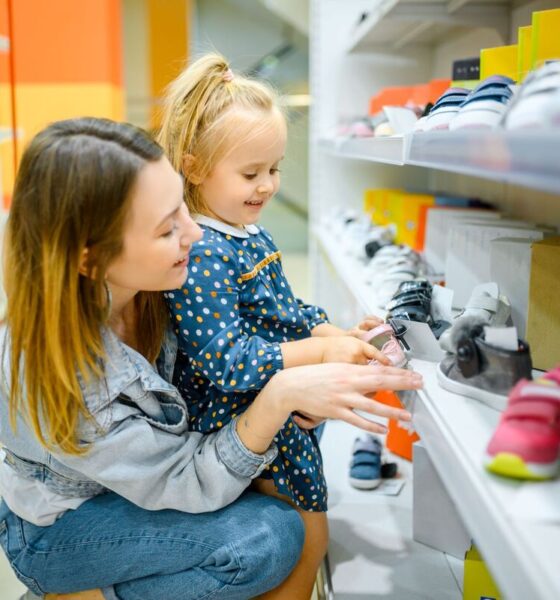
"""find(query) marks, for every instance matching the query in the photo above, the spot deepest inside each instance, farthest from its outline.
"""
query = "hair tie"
(227, 75)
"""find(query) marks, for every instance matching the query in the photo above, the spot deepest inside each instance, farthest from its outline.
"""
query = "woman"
(103, 486)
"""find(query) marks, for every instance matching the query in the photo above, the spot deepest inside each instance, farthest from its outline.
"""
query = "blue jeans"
(238, 552)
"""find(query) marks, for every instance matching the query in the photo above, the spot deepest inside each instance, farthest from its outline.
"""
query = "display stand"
(404, 43)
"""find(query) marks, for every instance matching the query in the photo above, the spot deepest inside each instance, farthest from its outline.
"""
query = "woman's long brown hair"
(72, 192)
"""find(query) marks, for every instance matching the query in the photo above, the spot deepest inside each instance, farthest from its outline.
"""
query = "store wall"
(7, 121)
(244, 31)
(66, 61)
(469, 44)
(156, 36)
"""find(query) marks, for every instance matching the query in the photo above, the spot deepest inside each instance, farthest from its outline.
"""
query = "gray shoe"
(484, 372)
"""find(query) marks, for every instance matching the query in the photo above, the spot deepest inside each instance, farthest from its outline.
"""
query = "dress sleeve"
(210, 329)
(315, 315)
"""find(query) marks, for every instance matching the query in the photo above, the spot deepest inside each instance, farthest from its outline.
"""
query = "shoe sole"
(364, 484)
(512, 465)
(495, 401)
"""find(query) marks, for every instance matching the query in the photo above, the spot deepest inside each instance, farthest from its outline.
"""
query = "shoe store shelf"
(350, 271)
(521, 551)
(391, 25)
(529, 159)
(390, 150)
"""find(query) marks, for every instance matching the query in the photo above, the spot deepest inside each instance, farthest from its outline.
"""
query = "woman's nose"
(191, 231)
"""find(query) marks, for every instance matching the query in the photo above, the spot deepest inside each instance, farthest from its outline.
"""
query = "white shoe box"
(435, 520)
(510, 267)
(468, 253)
(439, 222)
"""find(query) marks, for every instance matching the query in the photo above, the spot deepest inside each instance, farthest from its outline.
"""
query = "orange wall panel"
(4, 40)
(40, 104)
(168, 37)
(67, 41)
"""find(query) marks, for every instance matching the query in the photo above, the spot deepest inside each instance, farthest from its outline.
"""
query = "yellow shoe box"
(407, 213)
(546, 38)
(477, 581)
(524, 49)
(375, 204)
(543, 315)
(501, 60)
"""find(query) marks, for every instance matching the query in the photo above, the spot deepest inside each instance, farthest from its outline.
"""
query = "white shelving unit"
(399, 23)
(400, 43)
(529, 159)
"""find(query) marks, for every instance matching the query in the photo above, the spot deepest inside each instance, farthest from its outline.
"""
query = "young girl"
(237, 320)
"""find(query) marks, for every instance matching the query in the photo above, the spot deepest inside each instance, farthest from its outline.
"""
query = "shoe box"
(510, 265)
(467, 261)
(477, 580)
(439, 222)
(543, 319)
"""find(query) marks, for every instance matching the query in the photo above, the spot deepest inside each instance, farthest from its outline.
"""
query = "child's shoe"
(365, 468)
(383, 338)
(483, 371)
(526, 443)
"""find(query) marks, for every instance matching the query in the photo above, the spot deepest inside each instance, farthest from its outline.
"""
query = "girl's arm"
(219, 344)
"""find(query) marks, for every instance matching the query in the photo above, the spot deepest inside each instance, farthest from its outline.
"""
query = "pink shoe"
(526, 443)
(383, 338)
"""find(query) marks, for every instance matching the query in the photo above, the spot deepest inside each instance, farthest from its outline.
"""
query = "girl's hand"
(368, 322)
(348, 349)
(336, 391)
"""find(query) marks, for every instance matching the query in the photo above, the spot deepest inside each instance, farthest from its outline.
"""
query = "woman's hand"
(368, 322)
(306, 421)
(348, 349)
(336, 391)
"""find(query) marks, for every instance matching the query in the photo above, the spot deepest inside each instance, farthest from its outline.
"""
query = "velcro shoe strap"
(534, 409)
(365, 458)
(371, 445)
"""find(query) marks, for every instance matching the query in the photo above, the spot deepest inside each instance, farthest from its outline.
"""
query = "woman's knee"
(274, 544)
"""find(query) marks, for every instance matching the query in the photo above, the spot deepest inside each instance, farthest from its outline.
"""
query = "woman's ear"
(190, 169)
(84, 268)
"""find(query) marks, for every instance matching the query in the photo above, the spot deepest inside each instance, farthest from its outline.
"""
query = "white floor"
(10, 587)
(371, 553)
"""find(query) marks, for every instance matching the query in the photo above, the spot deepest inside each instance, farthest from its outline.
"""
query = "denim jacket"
(139, 443)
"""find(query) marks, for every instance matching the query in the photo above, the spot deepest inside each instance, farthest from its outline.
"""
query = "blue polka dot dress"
(230, 317)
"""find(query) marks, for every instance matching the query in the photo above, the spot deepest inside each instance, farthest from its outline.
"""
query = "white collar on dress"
(240, 232)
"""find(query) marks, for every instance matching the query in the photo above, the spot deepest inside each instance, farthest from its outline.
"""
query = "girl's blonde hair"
(197, 119)
(72, 192)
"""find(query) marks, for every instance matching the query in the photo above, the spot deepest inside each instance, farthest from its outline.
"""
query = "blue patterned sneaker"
(365, 467)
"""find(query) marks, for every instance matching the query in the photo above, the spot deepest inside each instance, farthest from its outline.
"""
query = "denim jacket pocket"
(56, 482)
